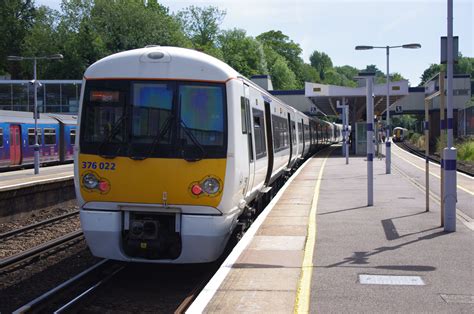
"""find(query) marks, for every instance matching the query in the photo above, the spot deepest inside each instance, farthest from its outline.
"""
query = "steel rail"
(69, 306)
(38, 250)
(11, 233)
(41, 300)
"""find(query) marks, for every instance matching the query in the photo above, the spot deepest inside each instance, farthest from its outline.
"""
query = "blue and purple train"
(56, 137)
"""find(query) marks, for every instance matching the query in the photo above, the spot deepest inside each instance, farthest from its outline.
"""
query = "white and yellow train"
(173, 147)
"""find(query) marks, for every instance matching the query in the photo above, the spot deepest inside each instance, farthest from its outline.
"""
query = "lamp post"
(388, 143)
(35, 83)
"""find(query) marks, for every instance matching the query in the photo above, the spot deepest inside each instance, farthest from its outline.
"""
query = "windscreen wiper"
(166, 126)
(194, 140)
(116, 127)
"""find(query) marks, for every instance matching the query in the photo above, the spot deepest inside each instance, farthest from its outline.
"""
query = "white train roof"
(161, 63)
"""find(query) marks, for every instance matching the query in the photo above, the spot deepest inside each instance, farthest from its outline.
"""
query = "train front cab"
(165, 196)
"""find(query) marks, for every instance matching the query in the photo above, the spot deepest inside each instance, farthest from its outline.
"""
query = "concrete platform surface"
(24, 178)
(392, 257)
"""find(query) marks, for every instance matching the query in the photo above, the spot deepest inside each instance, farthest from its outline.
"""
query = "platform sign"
(444, 49)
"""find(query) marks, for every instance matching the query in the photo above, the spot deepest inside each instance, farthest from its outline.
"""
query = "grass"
(465, 150)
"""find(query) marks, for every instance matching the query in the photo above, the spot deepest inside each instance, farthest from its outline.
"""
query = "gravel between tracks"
(37, 216)
(20, 286)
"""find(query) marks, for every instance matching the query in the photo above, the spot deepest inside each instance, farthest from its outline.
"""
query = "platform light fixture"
(387, 48)
(36, 83)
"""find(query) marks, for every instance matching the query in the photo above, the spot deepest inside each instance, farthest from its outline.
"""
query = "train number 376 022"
(98, 165)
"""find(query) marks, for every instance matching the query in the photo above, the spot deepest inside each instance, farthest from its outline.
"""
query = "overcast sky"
(337, 26)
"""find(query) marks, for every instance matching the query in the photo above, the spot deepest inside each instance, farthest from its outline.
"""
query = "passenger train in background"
(176, 149)
(56, 138)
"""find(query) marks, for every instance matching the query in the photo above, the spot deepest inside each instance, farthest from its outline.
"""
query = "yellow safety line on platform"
(304, 286)
(433, 174)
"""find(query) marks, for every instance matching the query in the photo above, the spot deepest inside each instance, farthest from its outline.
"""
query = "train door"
(291, 131)
(269, 132)
(15, 145)
(246, 116)
(303, 139)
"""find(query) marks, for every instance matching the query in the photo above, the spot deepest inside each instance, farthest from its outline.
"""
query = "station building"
(320, 100)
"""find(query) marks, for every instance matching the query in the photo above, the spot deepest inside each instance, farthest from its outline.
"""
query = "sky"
(337, 26)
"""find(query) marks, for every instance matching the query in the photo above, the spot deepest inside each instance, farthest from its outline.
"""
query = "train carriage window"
(151, 112)
(259, 133)
(31, 136)
(243, 115)
(104, 117)
(293, 132)
(300, 132)
(72, 137)
(1, 137)
(280, 133)
(49, 136)
(202, 113)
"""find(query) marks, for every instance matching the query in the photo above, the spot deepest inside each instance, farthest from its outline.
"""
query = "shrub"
(465, 151)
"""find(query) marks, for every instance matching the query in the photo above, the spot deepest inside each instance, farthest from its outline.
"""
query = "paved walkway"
(22, 178)
(278, 269)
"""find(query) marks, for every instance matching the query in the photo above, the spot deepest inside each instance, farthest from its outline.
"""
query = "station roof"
(325, 97)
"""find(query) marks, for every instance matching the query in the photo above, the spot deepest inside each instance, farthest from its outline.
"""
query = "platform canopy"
(325, 97)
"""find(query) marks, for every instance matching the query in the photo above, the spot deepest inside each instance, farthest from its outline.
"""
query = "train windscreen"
(153, 119)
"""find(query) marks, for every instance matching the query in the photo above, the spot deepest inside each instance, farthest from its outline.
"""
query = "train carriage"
(17, 138)
(173, 147)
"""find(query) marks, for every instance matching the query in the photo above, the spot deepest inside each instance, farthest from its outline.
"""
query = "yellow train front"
(151, 157)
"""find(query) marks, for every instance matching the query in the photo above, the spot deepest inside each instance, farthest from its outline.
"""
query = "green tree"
(347, 75)
(432, 70)
(282, 76)
(309, 74)
(202, 25)
(42, 40)
(287, 48)
(321, 62)
(16, 20)
(242, 52)
(129, 24)
(465, 65)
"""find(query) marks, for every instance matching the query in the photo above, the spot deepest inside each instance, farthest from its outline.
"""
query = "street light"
(36, 83)
(387, 143)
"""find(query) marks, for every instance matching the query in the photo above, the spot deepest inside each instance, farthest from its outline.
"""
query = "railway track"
(59, 300)
(86, 291)
(461, 166)
(9, 234)
(24, 244)
(43, 249)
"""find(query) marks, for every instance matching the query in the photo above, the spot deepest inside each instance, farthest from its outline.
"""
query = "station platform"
(24, 178)
(22, 192)
(319, 248)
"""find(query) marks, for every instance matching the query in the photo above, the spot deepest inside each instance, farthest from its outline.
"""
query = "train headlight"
(90, 181)
(210, 186)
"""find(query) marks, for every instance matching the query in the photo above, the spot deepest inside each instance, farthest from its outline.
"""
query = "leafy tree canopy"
(287, 48)
(201, 24)
(321, 62)
(242, 52)
(16, 20)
